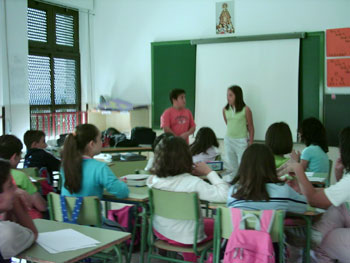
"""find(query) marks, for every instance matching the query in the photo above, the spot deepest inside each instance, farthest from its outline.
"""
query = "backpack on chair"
(248, 245)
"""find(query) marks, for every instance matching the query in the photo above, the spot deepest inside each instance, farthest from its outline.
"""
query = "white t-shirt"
(183, 230)
(14, 238)
(339, 193)
(208, 156)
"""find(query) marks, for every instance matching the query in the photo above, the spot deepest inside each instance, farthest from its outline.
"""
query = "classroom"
(114, 55)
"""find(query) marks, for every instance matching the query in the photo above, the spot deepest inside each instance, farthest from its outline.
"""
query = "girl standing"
(239, 120)
(82, 175)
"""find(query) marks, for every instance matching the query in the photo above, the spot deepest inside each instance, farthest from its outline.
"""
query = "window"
(53, 62)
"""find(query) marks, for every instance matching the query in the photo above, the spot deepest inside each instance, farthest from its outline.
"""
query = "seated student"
(279, 138)
(172, 168)
(36, 155)
(81, 174)
(154, 145)
(314, 157)
(205, 146)
(334, 226)
(17, 231)
(257, 186)
(10, 149)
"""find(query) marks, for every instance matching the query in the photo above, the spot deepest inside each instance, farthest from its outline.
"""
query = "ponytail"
(72, 155)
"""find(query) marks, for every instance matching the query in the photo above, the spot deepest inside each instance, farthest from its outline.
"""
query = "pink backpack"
(250, 246)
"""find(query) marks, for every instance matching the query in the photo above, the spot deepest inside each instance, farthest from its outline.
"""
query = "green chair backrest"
(174, 205)
(90, 211)
(227, 228)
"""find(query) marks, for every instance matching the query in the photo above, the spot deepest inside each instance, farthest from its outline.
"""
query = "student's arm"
(113, 184)
(25, 197)
(223, 113)
(250, 124)
(38, 202)
(53, 163)
(185, 135)
(19, 215)
(295, 155)
(338, 170)
(315, 197)
(304, 164)
(167, 129)
(165, 122)
(216, 191)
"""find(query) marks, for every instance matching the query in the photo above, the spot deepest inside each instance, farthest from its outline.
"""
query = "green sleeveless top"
(236, 124)
(279, 160)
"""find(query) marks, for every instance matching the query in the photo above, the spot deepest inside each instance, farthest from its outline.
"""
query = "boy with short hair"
(36, 155)
(18, 235)
(177, 119)
(10, 149)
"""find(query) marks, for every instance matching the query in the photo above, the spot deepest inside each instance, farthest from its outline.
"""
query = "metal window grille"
(54, 68)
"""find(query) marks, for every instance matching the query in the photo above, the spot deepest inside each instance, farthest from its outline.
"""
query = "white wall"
(124, 30)
(14, 70)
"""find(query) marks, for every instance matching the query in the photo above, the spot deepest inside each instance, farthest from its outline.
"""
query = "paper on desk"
(316, 179)
(309, 174)
(64, 240)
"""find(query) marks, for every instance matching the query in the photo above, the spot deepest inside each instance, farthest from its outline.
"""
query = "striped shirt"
(282, 197)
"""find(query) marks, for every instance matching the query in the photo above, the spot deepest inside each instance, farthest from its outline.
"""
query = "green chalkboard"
(173, 66)
(336, 115)
(311, 76)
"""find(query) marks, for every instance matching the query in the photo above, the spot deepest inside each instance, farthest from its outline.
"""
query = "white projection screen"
(267, 71)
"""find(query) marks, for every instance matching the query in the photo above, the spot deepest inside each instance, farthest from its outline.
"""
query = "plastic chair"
(179, 206)
(223, 229)
(89, 214)
(90, 211)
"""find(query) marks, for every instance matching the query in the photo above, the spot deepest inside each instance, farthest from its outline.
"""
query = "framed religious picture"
(224, 18)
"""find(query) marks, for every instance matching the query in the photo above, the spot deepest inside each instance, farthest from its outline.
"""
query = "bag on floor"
(126, 217)
(250, 246)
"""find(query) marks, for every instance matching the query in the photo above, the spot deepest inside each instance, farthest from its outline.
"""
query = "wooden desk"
(126, 149)
(121, 168)
(136, 195)
(108, 238)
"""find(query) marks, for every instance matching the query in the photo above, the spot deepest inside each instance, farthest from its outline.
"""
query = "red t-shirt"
(179, 121)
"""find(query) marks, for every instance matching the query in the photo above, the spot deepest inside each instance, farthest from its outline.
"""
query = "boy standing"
(36, 155)
(18, 235)
(177, 119)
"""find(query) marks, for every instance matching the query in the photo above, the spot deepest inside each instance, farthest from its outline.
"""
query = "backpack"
(125, 216)
(143, 135)
(250, 246)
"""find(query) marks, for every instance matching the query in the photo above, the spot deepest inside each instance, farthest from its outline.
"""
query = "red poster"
(338, 42)
(338, 72)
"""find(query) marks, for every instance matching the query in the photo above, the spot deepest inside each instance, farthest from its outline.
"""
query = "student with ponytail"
(82, 175)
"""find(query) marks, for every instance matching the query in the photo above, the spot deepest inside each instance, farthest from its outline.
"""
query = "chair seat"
(165, 245)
